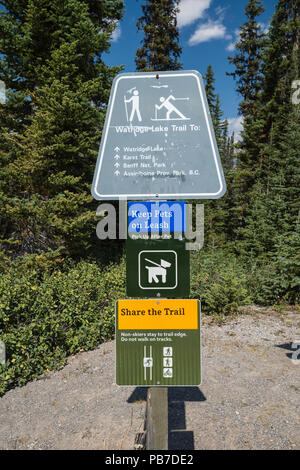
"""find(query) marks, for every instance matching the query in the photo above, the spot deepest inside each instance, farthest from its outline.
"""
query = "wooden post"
(157, 419)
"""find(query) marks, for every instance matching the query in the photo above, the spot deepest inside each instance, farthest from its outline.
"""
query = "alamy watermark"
(2, 353)
(152, 224)
(296, 354)
(2, 92)
(296, 92)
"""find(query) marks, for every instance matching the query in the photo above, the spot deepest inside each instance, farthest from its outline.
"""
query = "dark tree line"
(57, 92)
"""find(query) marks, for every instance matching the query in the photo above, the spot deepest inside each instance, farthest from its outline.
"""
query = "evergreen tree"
(160, 48)
(265, 159)
(210, 88)
(248, 75)
(247, 61)
(219, 123)
(275, 212)
(227, 148)
(214, 105)
(217, 212)
(281, 66)
(51, 125)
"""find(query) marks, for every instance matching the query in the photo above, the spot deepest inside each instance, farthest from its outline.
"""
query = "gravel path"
(249, 397)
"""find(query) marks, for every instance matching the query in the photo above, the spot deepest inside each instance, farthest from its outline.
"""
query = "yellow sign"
(151, 314)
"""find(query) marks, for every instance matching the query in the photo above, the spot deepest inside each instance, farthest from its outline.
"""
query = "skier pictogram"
(167, 104)
(148, 362)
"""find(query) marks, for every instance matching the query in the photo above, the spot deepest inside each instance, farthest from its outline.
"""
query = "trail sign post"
(158, 143)
(158, 140)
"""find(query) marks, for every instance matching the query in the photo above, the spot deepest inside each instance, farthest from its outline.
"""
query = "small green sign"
(158, 342)
(157, 268)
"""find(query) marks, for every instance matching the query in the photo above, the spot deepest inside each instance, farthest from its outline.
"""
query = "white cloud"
(208, 31)
(191, 11)
(264, 27)
(116, 33)
(231, 46)
(235, 125)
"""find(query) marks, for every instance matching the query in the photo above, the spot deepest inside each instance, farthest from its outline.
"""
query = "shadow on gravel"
(293, 347)
(179, 438)
(138, 394)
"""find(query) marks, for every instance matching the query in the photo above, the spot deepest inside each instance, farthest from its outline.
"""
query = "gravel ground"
(249, 397)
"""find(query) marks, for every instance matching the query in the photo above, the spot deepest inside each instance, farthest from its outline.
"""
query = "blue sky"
(208, 31)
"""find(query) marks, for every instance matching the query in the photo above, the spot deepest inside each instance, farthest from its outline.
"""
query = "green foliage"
(220, 281)
(210, 90)
(58, 89)
(54, 299)
(46, 315)
(217, 213)
(278, 281)
(224, 281)
(51, 308)
(281, 65)
(160, 48)
(247, 60)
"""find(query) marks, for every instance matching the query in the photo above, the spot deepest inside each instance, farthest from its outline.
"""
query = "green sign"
(158, 343)
(157, 268)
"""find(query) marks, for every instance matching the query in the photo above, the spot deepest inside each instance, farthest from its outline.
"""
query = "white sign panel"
(158, 140)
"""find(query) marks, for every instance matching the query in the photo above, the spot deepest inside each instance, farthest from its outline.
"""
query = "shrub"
(219, 281)
(46, 316)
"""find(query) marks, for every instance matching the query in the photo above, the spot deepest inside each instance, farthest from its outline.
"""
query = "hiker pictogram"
(135, 109)
(168, 362)
(168, 352)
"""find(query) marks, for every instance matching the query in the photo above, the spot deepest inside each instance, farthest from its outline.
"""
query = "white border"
(169, 195)
(156, 287)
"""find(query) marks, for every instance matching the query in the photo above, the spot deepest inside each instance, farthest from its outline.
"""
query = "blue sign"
(156, 217)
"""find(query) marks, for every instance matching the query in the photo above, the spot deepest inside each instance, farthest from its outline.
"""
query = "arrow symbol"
(117, 157)
(117, 149)
(117, 165)
(117, 173)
